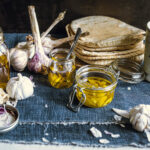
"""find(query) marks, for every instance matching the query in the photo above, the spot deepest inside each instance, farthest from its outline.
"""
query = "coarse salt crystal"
(95, 132)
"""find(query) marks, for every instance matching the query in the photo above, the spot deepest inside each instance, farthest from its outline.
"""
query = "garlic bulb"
(140, 117)
(20, 54)
(20, 87)
(3, 96)
(40, 61)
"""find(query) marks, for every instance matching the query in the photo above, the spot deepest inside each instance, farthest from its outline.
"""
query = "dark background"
(14, 13)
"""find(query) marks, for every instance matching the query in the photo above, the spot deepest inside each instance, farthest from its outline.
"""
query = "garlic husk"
(20, 87)
(20, 54)
(4, 97)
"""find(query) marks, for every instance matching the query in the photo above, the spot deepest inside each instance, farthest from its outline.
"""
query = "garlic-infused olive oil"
(4, 71)
(4, 63)
(95, 98)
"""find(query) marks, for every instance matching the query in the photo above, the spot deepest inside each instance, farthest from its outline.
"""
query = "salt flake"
(95, 132)
(104, 141)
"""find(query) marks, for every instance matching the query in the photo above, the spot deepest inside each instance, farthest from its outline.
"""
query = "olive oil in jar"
(61, 72)
(4, 63)
(60, 78)
(4, 71)
(95, 98)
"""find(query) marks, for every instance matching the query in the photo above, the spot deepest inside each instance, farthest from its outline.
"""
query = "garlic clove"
(141, 123)
(31, 51)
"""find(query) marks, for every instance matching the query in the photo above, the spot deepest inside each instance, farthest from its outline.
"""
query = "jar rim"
(109, 70)
(63, 50)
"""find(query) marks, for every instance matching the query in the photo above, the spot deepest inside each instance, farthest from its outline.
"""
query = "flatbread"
(84, 57)
(108, 49)
(138, 58)
(105, 31)
(112, 48)
(112, 53)
(99, 62)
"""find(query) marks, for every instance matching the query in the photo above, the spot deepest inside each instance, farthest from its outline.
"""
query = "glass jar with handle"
(95, 87)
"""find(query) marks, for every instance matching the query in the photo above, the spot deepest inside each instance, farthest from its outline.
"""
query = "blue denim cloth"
(59, 125)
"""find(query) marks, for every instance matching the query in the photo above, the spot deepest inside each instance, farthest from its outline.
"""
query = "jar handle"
(71, 99)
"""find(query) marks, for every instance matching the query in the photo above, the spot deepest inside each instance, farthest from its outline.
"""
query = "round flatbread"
(99, 62)
(108, 49)
(112, 53)
(106, 31)
(84, 57)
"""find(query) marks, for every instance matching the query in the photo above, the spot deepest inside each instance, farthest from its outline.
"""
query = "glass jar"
(95, 87)
(130, 71)
(4, 62)
(61, 71)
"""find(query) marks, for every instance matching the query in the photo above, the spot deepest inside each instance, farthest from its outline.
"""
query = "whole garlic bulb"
(20, 54)
(20, 87)
(140, 117)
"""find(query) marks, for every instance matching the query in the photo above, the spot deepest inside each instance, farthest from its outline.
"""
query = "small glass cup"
(95, 87)
(61, 71)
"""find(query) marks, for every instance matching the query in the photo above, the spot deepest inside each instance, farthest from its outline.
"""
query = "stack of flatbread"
(109, 39)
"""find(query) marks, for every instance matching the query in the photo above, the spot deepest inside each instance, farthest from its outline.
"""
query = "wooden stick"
(35, 29)
(56, 21)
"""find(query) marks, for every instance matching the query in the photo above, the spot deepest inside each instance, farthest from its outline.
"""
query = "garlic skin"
(140, 117)
(20, 54)
(3, 97)
(20, 87)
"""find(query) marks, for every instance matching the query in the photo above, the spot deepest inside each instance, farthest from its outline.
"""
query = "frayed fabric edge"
(77, 144)
(68, 123)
